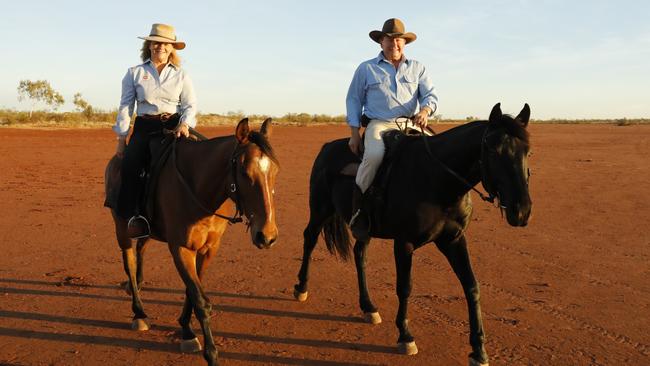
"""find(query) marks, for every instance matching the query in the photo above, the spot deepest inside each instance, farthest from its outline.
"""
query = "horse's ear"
(266, 127)
(496, 114)
(524, 115)
(242, 131)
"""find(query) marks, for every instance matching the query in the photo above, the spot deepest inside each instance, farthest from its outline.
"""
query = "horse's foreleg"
(458, 257)
(190, 343)
(310, 238)
(185, 261)
(403, 252)
(369, 310)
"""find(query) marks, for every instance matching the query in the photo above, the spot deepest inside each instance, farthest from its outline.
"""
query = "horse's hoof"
(372, 318)
(190, 345)
(140, 325)
(407, 348)
(473, 362)
(300, 296)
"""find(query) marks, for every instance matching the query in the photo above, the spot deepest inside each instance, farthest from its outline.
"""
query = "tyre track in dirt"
(591, 279)
(553, 310)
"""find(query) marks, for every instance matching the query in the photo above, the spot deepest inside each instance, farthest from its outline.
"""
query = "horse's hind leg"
(310, 235)
(370, 313)
(140, 248)
(130, 267)
(458, 257)
(185, 261)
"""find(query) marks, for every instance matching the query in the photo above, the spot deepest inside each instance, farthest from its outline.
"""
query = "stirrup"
(140, 232)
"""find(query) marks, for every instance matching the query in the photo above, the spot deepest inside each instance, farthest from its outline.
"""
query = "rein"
(488, 198)
(233, 188)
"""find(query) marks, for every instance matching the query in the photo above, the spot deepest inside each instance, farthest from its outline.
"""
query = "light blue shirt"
(169, 92)
(382, 92)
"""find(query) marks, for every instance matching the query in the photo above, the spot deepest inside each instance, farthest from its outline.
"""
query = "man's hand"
(121, 146)
(355, 140)
(422, 117)
(182, 130)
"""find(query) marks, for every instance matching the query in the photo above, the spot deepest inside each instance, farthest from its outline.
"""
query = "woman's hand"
(121, 146)
(183, 130)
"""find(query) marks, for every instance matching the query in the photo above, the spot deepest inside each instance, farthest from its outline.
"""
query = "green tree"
(83, 106)
(39, 91)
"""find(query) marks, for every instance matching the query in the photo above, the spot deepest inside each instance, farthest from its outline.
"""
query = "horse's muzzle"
(262, 241)
(518, 215)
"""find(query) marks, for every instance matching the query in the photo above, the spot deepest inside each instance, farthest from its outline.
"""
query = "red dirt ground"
(570, 289)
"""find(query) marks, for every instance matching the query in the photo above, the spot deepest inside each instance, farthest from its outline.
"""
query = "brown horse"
(200, 187)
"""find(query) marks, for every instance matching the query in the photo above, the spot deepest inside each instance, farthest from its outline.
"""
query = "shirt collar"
(149, 62)
(381, 58)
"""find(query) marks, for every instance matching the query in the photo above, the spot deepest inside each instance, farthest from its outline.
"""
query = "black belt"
(152, 122)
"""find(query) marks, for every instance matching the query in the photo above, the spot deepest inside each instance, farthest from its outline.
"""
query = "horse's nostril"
(259, 238)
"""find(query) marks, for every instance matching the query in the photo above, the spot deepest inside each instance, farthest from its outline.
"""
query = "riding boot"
(359, 223)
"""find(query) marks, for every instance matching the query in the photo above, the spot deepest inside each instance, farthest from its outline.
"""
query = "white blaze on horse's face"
(264, 164)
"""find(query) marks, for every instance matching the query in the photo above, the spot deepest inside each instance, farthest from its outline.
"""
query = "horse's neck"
(208, 168)
(460, 151)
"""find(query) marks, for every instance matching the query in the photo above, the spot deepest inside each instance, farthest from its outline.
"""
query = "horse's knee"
(474, 294)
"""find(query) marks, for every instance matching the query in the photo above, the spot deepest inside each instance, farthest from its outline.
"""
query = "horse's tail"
(337, 237)
(323, 197)
(112, 179)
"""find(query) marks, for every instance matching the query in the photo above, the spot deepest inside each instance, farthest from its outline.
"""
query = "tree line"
(40, 91)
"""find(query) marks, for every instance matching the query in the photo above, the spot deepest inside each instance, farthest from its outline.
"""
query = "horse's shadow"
(219, 307)
(171, 347)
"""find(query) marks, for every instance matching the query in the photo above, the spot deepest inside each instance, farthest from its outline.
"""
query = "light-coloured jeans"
(374, 150)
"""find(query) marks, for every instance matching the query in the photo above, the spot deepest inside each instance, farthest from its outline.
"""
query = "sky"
(567, 59)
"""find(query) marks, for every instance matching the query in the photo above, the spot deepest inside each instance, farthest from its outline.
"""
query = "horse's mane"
(514, 128)
(507, 122)
(263, 143)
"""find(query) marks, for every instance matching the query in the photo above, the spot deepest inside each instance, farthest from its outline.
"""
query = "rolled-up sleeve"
(127, 104)
(426, 92)
(188, 102)
(356, 98)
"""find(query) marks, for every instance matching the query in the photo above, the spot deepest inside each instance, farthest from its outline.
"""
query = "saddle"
(375, 197)
(160, 148)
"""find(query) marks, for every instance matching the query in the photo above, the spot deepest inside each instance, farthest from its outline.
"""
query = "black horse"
(426, 200)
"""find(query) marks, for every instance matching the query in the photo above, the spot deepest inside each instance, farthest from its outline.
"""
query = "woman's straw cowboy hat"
(393, 28)
(164, 33)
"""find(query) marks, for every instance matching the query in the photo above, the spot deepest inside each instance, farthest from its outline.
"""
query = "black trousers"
(136, 159)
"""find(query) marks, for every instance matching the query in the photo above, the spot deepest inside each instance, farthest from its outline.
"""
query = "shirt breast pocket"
(375, 82)
(145, 90)
(410, 83)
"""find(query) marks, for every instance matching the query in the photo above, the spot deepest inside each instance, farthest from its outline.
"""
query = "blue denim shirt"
(382, 92)
(169, 92)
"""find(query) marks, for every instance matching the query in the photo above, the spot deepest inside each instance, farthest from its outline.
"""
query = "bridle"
(491, 196)
(234, 190)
